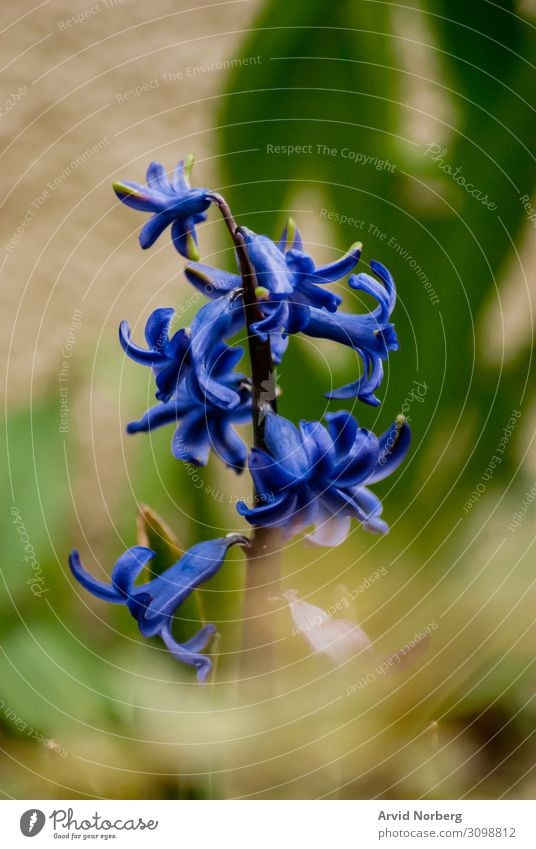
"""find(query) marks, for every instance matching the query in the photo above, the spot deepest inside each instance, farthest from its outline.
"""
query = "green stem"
(264, 561)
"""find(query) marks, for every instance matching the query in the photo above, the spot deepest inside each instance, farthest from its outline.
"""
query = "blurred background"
(409, 127)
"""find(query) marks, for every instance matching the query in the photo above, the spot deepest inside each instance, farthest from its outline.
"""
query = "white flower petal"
(332, 531)
(339, 639)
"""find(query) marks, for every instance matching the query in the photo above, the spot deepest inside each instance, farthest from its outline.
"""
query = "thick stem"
(264, 561)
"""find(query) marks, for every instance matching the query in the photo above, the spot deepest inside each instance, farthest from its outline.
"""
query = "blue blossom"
(317, 475)
(154, 603)
(288, 283)
(172, 202)
(200, 423)
(169, 357)
(195, 348)
(372, 336)
(197, 386)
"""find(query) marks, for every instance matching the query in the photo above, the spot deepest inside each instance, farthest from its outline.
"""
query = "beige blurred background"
(91, 93)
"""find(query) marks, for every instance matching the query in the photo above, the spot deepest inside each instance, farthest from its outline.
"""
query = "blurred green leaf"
(35, 503)
(334, 83)
(154, 533)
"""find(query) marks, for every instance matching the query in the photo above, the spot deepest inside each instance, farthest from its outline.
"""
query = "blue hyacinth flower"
(172, 202)
(200, 423)
(372, 336)
(154, 603)
(196, 348)
(288, 283)
(318, 475)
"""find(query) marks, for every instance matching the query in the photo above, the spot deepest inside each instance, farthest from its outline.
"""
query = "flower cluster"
(315, 475)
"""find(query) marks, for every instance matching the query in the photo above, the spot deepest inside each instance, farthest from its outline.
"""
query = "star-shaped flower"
(154, 603)
(172, 202)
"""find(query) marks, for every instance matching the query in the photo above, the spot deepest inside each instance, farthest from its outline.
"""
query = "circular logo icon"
(31, 822)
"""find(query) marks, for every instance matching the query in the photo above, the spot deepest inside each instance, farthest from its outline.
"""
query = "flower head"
(317, 475)
(172, 202)
(154, 603)
(202, 424)
(196, 383)
(289, 283)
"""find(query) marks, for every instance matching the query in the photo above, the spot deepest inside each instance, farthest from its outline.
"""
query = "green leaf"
(334, 85)
(153, 532)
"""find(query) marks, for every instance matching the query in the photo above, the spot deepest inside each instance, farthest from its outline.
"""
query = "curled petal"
(191, 442)
(214, 322)
(212, 282)
(365, 386)
(269, 264)
(268, 475)
(394, 445)
(229, 447)
(273, 513)
(190, 652)
(157, 327)
(98, 588)
(154, 228)
(184, 237)
(341, 267)
(129, 566)
(318, 446)
(285, 445)
(157, 416)
(139, 355)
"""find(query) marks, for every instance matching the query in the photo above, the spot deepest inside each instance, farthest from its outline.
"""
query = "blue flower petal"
(318, 445)
(128, 567)
(157, 177)
(360, 462)
(269, 264)
(190, 652)
(136, 196)
(157, 327)
(166, 592)
(268, 475)
(212, 282)
(157, 416)
(283, 441)
(191, 441)
(394, 445)
(139, 355)
(343, 430)
(106, 592)
(341, 267)
(229, 447)
(273, 513)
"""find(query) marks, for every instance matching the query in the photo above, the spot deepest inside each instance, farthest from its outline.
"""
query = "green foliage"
(339, 82)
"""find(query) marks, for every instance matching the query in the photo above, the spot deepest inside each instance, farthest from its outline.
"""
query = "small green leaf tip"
(188, 165)
(262, 293)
